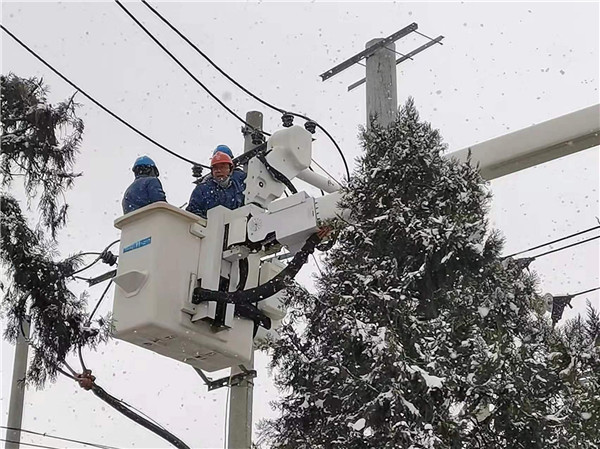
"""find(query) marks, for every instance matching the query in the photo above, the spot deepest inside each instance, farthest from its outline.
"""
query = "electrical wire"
(222, 72)
(29, 444)
(94, 262)
(584, 292)
(185, 69)
(85, 268)
(99, 302)
(91, 253)
(97, 103)
(317, 264)
(553, 241)
(141, 413)
(47, 435)
(326, 172)
(566, 247)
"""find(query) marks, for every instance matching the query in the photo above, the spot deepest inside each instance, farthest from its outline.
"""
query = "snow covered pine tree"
(38, 285)
(420, 334)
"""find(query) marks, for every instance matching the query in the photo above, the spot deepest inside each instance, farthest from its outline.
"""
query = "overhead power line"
(47, 435)
(29, 444)
(101, 256)
(226, 75)
(99, 301)
(584, 292)
(185, 69)
(553, 241)
(97, 103)
(566, 247)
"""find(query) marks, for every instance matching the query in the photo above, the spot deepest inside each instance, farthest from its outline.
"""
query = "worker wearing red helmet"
(220, 188)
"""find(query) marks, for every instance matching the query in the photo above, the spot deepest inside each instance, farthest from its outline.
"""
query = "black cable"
(29, 444)
(565, 247)
(97, 103)
(584, 292)
(85, 268)
(553, 241)
(141, 413)
(185, 69)
(90, 253)
(276, 174)
(263, 291)
(101, 256)
(101, 446)
(99, 302)
(256, 97)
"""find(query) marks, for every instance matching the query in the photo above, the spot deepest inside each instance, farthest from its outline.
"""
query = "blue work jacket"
(209, 194)
(143, 191)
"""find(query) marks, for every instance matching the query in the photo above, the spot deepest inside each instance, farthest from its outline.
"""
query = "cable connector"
(108, 258)
(86, 379)
(287, 119)
(310, 126)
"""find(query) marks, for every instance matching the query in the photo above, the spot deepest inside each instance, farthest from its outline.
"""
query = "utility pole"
(382, 97)
(17, 389)
(240, 404)
(380, 57)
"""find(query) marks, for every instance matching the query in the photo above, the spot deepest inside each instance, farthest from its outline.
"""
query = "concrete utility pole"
(17, 389)
(380, 57)
(240, 405)
(382, 98)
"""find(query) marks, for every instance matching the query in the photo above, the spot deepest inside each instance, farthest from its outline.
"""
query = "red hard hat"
(220, 158)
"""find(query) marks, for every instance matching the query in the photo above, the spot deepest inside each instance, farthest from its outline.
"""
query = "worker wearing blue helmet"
(146, 188)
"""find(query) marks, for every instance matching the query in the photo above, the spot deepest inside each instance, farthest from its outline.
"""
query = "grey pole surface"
(382, 98)
(240, 405)
(17, 389)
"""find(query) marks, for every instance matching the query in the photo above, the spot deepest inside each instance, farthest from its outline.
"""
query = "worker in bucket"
(146, 188)
(237, 173)
(223, 187)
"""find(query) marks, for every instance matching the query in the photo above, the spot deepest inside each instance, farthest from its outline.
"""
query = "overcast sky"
(503, 67)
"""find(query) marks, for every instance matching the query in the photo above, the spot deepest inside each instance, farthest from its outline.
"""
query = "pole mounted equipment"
(368, 52)
(403, 58)
(383, 43)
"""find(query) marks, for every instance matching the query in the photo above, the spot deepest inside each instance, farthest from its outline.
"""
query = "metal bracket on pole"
(369, 51)
(437, 40)
(231, 381)
(103, 277)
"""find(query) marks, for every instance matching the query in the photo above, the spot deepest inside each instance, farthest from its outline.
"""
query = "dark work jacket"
(209, 194)
(143, 191)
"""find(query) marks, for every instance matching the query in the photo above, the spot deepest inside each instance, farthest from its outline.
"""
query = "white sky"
(503, 66)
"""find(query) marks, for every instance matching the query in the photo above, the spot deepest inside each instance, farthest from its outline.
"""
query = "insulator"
(287, 119)
(310, 126)
(257, 137)
(197, 171)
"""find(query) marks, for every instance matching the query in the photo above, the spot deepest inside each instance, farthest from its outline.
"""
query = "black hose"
(266, 290)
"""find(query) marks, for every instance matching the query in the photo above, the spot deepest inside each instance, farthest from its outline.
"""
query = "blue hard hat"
(143, 160)
(224, 149)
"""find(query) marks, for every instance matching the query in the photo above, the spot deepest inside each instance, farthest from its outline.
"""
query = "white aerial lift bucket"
(157, 272)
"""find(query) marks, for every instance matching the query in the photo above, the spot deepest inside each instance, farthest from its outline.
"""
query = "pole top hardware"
(232, 381)
(403, 58)
(369, 51)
